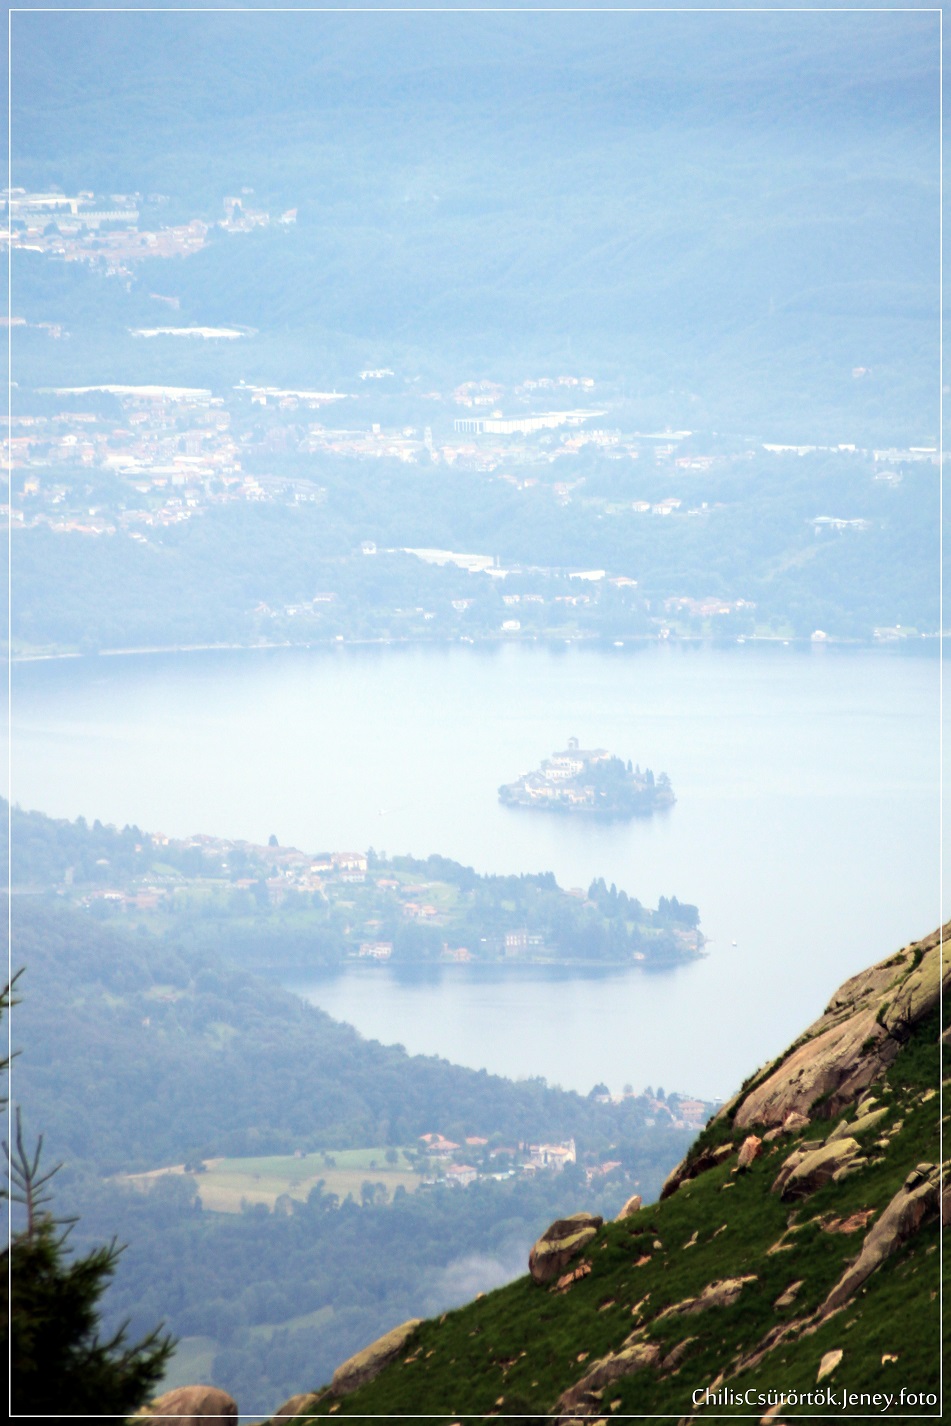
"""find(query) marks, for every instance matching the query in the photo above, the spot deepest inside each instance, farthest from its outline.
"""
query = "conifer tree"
(49, 1326)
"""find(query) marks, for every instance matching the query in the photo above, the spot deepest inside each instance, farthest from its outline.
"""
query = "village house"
(376, 950)
(461, 1175)
(553, 1156)
(349, 861)
(519, 941)
(436, 1146)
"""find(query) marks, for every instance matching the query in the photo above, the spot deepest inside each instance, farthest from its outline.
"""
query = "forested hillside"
(137, 1053)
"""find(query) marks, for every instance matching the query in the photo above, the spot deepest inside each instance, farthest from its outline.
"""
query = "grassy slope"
(513, 1352)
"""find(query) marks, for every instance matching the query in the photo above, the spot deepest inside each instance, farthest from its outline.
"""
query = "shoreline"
(587, 640)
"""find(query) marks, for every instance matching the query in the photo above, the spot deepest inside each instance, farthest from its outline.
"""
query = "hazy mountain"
(736, 208)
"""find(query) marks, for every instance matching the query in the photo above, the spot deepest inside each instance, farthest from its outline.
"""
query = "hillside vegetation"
(794, 1250)
(291, 1215)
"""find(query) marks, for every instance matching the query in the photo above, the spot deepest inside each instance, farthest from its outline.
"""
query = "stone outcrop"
(569, 1279)
(750, 1150)
(192, 1406)
(851, 1044)
(298, 1405)
(363, 1366)
(722, 1293)
(673, 1359)
(585, 1393)
(561, 1242)
(915, 1201)
(688, 1169)
(808, 1169)
(829, 1363)
(787, 1298)
(631, 1207)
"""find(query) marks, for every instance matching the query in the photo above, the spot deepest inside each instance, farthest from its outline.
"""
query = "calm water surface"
(806, 827)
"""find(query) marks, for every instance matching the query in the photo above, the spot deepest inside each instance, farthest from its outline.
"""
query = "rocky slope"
(793, 1251)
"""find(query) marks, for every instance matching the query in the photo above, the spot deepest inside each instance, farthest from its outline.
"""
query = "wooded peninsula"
(281, 907)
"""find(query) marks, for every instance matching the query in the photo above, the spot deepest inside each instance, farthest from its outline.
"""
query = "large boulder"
(915, 1201)
(193, 1406)
(563, 1241)
(628, 1209)
(859, 1034)
(363, 1366)
(808, 1169)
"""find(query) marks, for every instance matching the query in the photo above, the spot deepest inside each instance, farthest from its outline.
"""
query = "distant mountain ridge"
(793, 1253)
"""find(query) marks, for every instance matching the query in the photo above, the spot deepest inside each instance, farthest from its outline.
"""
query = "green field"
(228, 1184)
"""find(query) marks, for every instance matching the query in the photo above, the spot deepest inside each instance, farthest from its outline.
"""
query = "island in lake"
(592, 782)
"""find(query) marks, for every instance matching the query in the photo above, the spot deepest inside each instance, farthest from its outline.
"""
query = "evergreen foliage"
(49, 1329)
(58, 1362)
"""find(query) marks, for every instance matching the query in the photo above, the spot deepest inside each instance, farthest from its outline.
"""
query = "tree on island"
(50, 1324)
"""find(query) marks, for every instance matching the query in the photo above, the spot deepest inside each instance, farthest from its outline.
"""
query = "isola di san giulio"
(590, 782)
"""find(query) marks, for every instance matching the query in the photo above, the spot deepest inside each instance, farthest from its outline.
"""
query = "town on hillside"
(612, 525)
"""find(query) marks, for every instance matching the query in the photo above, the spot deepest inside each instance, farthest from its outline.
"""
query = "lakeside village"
(366, 909)
(589, 782)
(339, 907)
(130, 461)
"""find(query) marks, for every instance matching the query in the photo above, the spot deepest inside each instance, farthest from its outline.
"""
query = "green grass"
(516, 1350)
(318, 1318)
(228, 1184)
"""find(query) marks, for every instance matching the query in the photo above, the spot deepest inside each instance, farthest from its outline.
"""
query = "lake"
(806, 827)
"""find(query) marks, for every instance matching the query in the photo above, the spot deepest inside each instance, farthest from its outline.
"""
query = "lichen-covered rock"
(363, 1366)
(915, 1201)
(193, 1406)
(561, 1242)
(585, 1393)
(859, 1126)
(631, 1207)
(808, 1169)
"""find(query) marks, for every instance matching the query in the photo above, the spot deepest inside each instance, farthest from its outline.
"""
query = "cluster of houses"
(443, 1156)
(677, 1111)
(709, 608)
(552, 780)
(104, 230)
